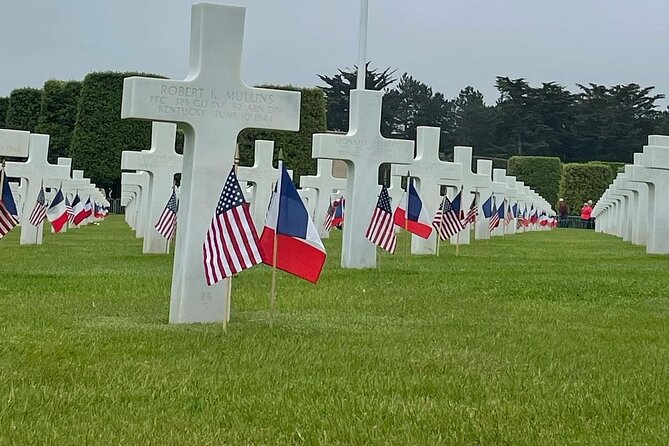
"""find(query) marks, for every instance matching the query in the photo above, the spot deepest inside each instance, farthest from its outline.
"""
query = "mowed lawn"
(548, 338)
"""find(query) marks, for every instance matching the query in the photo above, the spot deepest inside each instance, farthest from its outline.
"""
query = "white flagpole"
(362, 46)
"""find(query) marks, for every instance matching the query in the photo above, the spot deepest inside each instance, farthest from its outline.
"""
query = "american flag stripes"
(167, 223)
(494, 218)
(508, 218)
(446, 221)
(8, 212)
(329, 217)
(69, 210)
(472, 213)
(38, 213)
(231, 243)
(381, 230)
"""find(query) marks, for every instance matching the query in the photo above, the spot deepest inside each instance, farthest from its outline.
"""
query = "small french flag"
(411, 214)
(299, 248)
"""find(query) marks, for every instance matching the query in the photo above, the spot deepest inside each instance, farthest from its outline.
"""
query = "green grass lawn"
(548, 338)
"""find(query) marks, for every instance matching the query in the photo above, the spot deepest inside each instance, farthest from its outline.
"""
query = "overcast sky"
(447, 44)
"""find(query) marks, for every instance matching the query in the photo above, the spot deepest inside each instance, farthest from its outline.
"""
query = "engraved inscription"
(198, 102)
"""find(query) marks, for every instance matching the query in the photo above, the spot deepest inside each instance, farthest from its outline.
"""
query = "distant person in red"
(586, 213)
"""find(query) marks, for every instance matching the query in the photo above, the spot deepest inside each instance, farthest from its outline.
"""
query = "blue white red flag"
(299, 248)
(411, 214)
(57, 212)
(8, 213)
(487, 207)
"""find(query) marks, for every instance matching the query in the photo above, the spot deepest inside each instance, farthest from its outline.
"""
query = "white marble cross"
(656, 175)
(430, 173)
(14, 143)
(640, 191)
(309, 199)
(364, 150)
(141, 181)
(325, 184)
(162, 163)
(262, 176)
(34, 171)
(476, 184)
(214, 105)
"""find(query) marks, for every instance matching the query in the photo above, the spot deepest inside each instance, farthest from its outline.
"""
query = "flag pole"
(457, 237)
(406, 220)
(275, 247)
(438, 236)
(362, 46)
(228, 300)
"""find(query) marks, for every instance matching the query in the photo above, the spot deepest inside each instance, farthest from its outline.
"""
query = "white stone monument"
(162, 163)
(214, 105)
(262, 175)
(363, 149)
(141, 181)
(325, 184)
(34, 171)
(430, 173)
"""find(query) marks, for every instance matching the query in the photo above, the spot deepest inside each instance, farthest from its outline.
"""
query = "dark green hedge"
(58, 115)
(100, 135)
(541, 173)
(613, 166)
(4, 105)
(296, 145)
(583, 182)
(23, 110)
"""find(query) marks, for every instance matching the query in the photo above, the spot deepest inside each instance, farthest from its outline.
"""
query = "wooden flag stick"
(228, 297)
(457, 244)
(406, 222)
(275, 247)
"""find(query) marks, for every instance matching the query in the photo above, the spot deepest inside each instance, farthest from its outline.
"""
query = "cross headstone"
(214, 105)
(363, 149)
(430, 173)
(309, 199)
(656, 174)
(35, 170)
(640, 235)
(14, 143)
(476, 184)
(162, 163)
(325, 184)
(262, 176)
(141, 180)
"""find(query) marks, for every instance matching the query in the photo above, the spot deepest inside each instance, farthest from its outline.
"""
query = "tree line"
(595, 122)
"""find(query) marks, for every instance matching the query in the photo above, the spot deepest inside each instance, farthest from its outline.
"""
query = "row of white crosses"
(635, 206)
(36, 172)
(212, 105)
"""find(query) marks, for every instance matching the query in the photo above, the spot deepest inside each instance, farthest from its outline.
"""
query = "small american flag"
(446, 221)
(494, 218)
(167, 223)
(472, 213)
(38, 214)
(69, 210)
(381, 231)
(231, 243)
(329, 217)
(508, 218)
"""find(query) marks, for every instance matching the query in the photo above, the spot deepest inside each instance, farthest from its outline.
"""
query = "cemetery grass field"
(546, 338)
